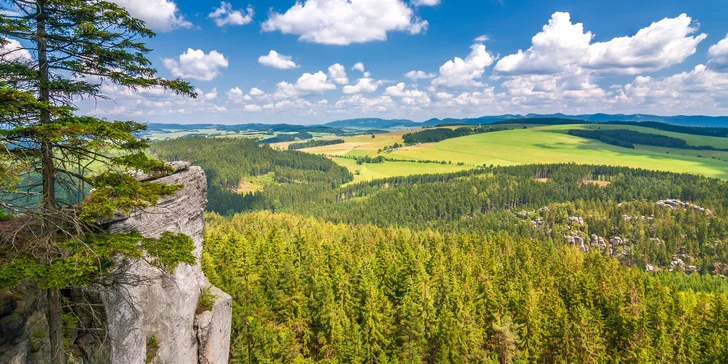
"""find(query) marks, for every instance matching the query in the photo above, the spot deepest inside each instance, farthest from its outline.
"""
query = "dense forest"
(280, 138)
(627, 139)
(314, 143)
(695, 130)
(532, 263)
(306, 290)
(439, 134)
(297, 176)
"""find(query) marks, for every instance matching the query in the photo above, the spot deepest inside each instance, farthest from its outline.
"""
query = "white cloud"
(252, 107)
(306, 84)
(159, 15)
(408, 97)
(687, 92)
(719, 54)
(563, 47)
(316, 82)
(337, 72)
(212, 95)
(425, 2)
(256, 92)
(363, 85)
(195, 64)
(342, 22)
(285, 90)
(225, 15)
(482, 39)
(358, 66)
(12, 51)
(359, 102)
(467, 72)
(277, 60)
(419, 75)
(235, 95)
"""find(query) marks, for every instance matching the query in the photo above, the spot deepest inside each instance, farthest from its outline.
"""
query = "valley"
(526, 144)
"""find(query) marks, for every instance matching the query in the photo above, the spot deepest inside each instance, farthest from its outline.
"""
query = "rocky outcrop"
(23, 327)
(164, 306)
(674, 203)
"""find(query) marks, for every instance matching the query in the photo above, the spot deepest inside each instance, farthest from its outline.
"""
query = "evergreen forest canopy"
(627, 139)
(314, 143)
(545, 263)
(439, 134)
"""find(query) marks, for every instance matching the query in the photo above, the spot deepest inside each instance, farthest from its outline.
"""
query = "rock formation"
(159, 305)
(165, 307)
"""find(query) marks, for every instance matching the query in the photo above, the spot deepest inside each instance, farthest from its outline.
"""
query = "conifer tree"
(54, 53)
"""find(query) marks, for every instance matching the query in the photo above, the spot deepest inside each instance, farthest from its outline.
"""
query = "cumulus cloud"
(687, 92)
(358, 66)
(425, 2)
(277, 60)
(359, 102)
(419, 75)
(563, 46)
(342, 22)
(159, 15)
(11, 50)
(315, 82)
(285, 90)
(719, 54)
(252, 108)
(408, 97)
(337, 72)
(225, 15)
(212, 95)
(256, 92)
(363, 85)
(195, 64)
(237, 96)
(465, 72)
(306, 84)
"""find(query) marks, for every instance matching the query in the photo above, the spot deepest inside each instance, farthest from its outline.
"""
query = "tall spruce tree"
(54, 53)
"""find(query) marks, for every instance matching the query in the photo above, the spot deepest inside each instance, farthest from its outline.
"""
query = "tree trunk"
(55, 326)
(48, 173)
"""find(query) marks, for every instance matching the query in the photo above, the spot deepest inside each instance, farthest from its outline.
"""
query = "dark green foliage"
(206, 301)
(299, 177)
(302, 135)
(626, 139)
(436, 135)
(314, 143)
(50, 156)
(309, 290)
(695, 130)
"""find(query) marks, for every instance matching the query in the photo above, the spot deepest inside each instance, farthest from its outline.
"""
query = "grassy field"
(536, 144)
(370, 171)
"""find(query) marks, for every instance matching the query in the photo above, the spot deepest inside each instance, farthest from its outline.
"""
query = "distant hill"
(373, 123)
(695, 120)
(388, 124)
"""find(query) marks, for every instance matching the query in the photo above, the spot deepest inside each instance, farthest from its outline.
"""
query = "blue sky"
(662, 57)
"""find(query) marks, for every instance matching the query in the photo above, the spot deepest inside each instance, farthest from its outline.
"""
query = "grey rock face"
(212, 329)
(164, 305)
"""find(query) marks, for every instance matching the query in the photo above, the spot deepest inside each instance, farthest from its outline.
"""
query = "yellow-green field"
(370, 171)
(536, 144)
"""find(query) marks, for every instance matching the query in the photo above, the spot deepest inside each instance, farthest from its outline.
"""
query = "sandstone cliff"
(157, 321)
(166, 306)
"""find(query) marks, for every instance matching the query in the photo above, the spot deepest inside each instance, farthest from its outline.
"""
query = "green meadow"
(534, 144)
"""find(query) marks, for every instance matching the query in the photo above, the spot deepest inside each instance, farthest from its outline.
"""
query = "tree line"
(315, 143)
(439, 134)
(627, 139)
